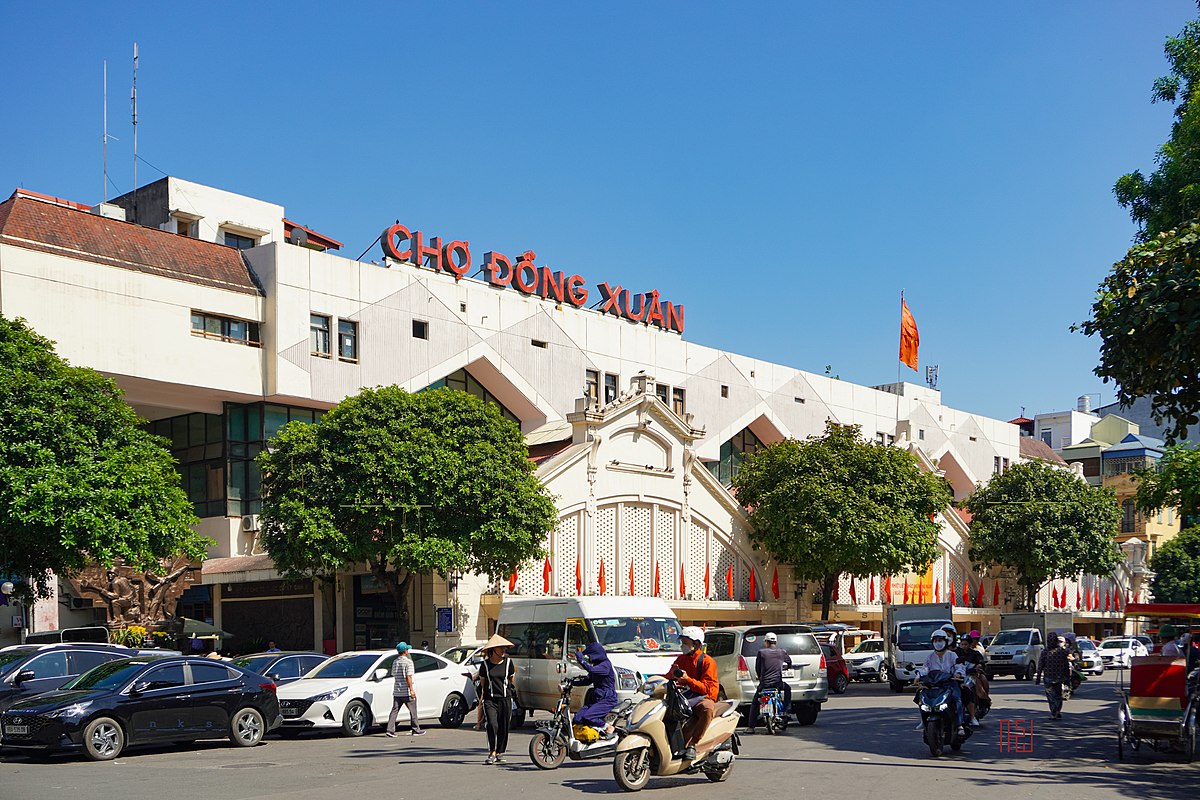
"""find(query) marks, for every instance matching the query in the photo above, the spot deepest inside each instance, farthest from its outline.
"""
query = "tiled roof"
(1019, 421)
(1036, 448)
(65, 231)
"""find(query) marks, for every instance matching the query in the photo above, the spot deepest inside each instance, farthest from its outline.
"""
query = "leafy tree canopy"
(840, 504)
(81, 479)
(1147, 311)
(1174, 483)
(1044, 523)
(1176, 566)
(406, 484)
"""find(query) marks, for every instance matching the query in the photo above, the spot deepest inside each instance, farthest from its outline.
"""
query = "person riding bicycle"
(770, 664)
(943, 659)
(602, 697)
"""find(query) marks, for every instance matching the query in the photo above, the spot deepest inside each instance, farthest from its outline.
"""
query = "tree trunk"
(1030, 598)
(827, 584)
(396, 581)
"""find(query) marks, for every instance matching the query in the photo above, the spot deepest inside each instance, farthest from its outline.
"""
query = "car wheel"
(883, 673)
(454, 711)
(355, 718)
(103, 739)
(839, 684)
(806, 713)
(247, 727)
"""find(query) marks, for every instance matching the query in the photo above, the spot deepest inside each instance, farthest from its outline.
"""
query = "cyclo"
(559, 738)
(1160, 703)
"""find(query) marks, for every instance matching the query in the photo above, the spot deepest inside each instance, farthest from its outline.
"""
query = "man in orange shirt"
(695, 674)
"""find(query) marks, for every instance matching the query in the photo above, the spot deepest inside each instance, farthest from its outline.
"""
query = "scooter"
(771, 711)
(937, 719)
(559, 738)
(653, 742)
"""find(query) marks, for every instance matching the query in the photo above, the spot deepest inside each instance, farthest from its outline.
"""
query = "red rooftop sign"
(454, 257)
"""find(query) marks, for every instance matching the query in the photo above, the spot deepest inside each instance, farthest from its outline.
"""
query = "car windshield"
(869, 646)
(1011, 638)
(1115, 644)
(796, 644)
(112, 675)
(915, 635)
(638, 634)
(8, 657)
(255, 664)
(345, 667)
(1086, 644)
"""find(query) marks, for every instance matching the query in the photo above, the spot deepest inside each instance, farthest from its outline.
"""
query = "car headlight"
(333, 695)
(628, 680)
(73, 711)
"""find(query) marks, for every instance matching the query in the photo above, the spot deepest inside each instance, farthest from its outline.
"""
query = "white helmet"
(693, 632)
(951, 631)
(771, 637)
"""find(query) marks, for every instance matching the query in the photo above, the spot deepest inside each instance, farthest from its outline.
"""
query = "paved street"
(863, 746)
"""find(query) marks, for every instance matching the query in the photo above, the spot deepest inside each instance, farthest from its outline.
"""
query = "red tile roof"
(316, 238)
(963, 514)
(1036, 448)
(1019, 421)
(64, 229)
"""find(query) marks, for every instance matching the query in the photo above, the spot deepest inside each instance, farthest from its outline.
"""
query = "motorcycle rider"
(943, 659)
(972, 662)
(1074, 658)
(769, 664)
(602, 697)
(696, 676)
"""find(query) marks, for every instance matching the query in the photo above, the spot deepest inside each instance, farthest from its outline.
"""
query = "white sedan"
(353, 691)
(1118, 650)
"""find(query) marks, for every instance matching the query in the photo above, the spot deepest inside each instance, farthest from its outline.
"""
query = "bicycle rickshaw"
(1160, 702)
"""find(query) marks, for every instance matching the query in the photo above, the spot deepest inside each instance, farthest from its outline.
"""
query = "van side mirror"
(893, 638)
(381, 674)
(24, 675)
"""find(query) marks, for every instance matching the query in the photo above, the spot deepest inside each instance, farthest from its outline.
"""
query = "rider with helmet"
(943, 659)
(971, 660)
(602, 697)
(769, 665)
(696, 676)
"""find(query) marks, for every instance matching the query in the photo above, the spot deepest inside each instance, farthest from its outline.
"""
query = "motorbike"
(560, 738)
(771, 711)
(983, 700)
(653, 740)
(937, 718)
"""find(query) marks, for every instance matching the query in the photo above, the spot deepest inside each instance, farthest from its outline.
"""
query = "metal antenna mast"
(104, 182)
(133, 100)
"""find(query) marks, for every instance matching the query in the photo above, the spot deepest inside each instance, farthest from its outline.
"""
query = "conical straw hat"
(497, 641)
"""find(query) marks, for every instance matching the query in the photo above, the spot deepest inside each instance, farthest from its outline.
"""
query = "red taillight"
(743, 669)
(823, 665)
(267, 687)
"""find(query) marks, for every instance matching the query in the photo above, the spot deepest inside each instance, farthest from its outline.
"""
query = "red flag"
(578, 576)
(905, 588)
(707, 582)
(546, 570)
(853, 593)
(887, 589)
(920, 590)
(996, 593)
(837, 588)
(1078, 599)
(752, 592)
(1096, 598)
(872, 588)
(966, 592)
(937, 591)
(1116, 600)
(953, 598)
(775, 583)
(602, 582)
(910, 340)
(729, 582)
(979, 596)
(1053, 596)
(631, 591)
(682, 584)
(512, 581)
(657, 590)
(1107, 604)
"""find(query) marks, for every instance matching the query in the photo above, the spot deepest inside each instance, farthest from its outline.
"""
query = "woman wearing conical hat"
(495, 679)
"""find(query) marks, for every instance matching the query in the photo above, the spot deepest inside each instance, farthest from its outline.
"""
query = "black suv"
(27, 670)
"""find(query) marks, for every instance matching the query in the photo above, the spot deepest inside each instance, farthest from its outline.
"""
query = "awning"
(202, 630)
(239, 569)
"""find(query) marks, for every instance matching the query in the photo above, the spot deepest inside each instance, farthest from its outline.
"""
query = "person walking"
(1054, 666)
(403, 692)
(495, 680)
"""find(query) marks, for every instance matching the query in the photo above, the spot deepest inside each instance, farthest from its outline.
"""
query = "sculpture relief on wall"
(131, 596)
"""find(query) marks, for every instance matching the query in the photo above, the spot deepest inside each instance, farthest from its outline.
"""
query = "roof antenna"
(133, 100)
(104, 181)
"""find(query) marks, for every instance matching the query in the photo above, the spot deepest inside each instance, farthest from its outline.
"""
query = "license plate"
(787, 673)
(16, 730)
(291, 712)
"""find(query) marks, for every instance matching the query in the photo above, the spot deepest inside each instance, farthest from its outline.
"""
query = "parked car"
(1117, 651)
(282, 668)
(734, 650)
(463, 654)
(1146, 641)
(986, 640)
(145, 700)
(353, 691)
(1092, 662)
(868, 661)
(837, 672)
(26, 670)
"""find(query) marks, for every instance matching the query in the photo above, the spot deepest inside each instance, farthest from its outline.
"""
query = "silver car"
(1092, 662)
(868, 661)
(735, 649)
(1117, 651)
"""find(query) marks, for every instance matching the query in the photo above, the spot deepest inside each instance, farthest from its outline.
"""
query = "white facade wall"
(1064, 427)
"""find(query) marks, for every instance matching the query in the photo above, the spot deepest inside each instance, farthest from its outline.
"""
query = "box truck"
(907, 629)
(1016, 648)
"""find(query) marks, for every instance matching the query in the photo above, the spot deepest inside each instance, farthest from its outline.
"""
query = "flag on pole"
(631, 592)
(546, 570)
(872, 588)
(578, 576)
(657, 588)
(1078, 599)
(729, 581)
(937, 591)
(910, 340)
(979, 599)
(966, 593)
(707, 581)
(602, 582)
(1096, 598)
(995, 593)
(1107, 603)
(512, 581)
(953, 598)
(753, 594)
(1053, 596)
(853, 593)
(886, 589)
(775, 583)
(905, 588)
(682, 584)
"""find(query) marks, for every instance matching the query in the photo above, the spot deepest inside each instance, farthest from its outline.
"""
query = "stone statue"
(121, 596)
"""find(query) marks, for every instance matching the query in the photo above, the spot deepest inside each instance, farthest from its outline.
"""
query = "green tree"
(1173, 483)
(1147, 310)
(406, 484)
(1044, 523)
(1176, 566)
(81, 480)
(838, 504)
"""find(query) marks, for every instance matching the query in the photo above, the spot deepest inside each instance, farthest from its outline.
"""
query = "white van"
(640, 635)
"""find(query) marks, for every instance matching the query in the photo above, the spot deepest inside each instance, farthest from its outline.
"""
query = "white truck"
(1016, 648)
(907, 629)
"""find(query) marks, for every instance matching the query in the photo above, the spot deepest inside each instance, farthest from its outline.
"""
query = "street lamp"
(6, 588)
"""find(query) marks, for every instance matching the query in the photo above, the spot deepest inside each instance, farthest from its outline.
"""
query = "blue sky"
(781, 169)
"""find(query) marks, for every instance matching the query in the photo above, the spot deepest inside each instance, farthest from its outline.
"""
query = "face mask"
(939, 645)
(687, 647)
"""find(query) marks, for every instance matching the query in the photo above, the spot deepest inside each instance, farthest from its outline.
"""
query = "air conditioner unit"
(250, 523)
(80, 603)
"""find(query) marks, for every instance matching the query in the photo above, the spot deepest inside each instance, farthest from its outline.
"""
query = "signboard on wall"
(445, 620)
